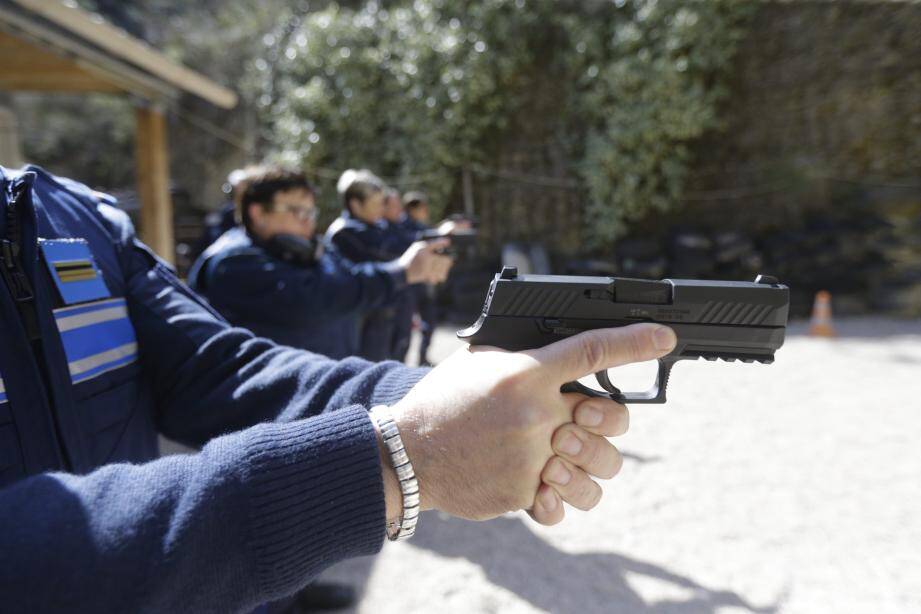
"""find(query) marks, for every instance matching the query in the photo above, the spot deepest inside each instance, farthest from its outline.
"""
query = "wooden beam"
(153, 182)
(59, 83)
(118, 43)
(46, 43)
(28, 66)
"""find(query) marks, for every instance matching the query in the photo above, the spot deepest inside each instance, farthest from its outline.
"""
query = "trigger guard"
(580, 388)
(605, 382)
(656, 394)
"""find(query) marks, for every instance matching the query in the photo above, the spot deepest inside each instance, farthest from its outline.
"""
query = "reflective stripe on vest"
(97, 337)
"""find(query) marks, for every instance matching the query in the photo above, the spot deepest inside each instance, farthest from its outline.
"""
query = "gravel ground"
(793, 488)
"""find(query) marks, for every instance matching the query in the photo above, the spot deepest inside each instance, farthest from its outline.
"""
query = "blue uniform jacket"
(353, 241)
(316, 307)
(357, 241)
(406, 231)
(288, 479)
(398, 237)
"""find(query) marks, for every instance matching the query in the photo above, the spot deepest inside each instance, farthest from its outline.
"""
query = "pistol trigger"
(605, 382)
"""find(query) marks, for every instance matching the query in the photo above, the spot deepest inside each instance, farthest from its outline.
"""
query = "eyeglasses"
(302, 214)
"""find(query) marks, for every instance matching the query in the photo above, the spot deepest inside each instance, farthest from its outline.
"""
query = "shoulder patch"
(73, 270)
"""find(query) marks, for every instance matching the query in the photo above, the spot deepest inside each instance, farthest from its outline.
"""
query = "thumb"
(605, 348)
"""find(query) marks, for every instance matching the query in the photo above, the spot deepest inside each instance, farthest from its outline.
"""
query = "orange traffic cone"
(821, 316)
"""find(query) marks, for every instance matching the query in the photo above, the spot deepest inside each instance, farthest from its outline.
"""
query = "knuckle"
(560, 435)
(592, 348)
(547, 471)
(594, 453)
(635, 347)
(551, 467)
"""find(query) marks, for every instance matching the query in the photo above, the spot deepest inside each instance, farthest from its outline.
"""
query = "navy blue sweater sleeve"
(256, 287)
(251, 517)
(212, 379)
(365, 245)
(398, 236)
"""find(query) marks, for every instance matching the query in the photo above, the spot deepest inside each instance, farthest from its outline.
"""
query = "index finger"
(605, 348)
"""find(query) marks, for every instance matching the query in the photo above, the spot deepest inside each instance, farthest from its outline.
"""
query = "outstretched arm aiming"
(244, 284)
(256, 514)
(262, 509)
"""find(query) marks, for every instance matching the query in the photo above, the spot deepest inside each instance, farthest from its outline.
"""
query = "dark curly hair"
(264, 182)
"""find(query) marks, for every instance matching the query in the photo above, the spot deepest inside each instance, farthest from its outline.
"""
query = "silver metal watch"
(405, 526)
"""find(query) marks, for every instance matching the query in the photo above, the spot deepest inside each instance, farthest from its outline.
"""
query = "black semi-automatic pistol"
(732, 320)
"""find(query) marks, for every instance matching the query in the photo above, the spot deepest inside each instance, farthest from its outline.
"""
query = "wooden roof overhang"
(50, 46)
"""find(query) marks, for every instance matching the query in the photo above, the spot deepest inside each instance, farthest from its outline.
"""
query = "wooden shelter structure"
(52, 46)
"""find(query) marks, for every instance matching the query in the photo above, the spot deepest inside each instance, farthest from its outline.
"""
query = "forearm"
(357, 287)
(211, 379)
(252, 517)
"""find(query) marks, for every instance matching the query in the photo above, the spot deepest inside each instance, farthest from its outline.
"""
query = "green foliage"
(421, 89)
(90, 137)
(389, 90)
(613, 93)
(658, 90)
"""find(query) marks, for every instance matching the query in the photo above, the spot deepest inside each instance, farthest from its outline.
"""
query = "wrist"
(416, 442)
(403, 525)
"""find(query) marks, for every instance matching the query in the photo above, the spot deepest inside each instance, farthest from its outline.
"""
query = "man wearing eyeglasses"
(271, 276)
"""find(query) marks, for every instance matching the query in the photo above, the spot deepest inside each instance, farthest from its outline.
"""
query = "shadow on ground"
(516, 559)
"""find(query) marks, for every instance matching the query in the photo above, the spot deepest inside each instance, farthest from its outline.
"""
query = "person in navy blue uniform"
(416, 221)
(218, 222)
(399, 235)
(410, 224)
(103, 348)
(270, 277)
(357, 236)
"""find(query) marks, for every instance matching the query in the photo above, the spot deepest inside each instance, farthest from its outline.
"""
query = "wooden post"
(152, 162)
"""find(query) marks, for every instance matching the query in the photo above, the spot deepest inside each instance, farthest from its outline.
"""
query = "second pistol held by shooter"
(731, 320)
